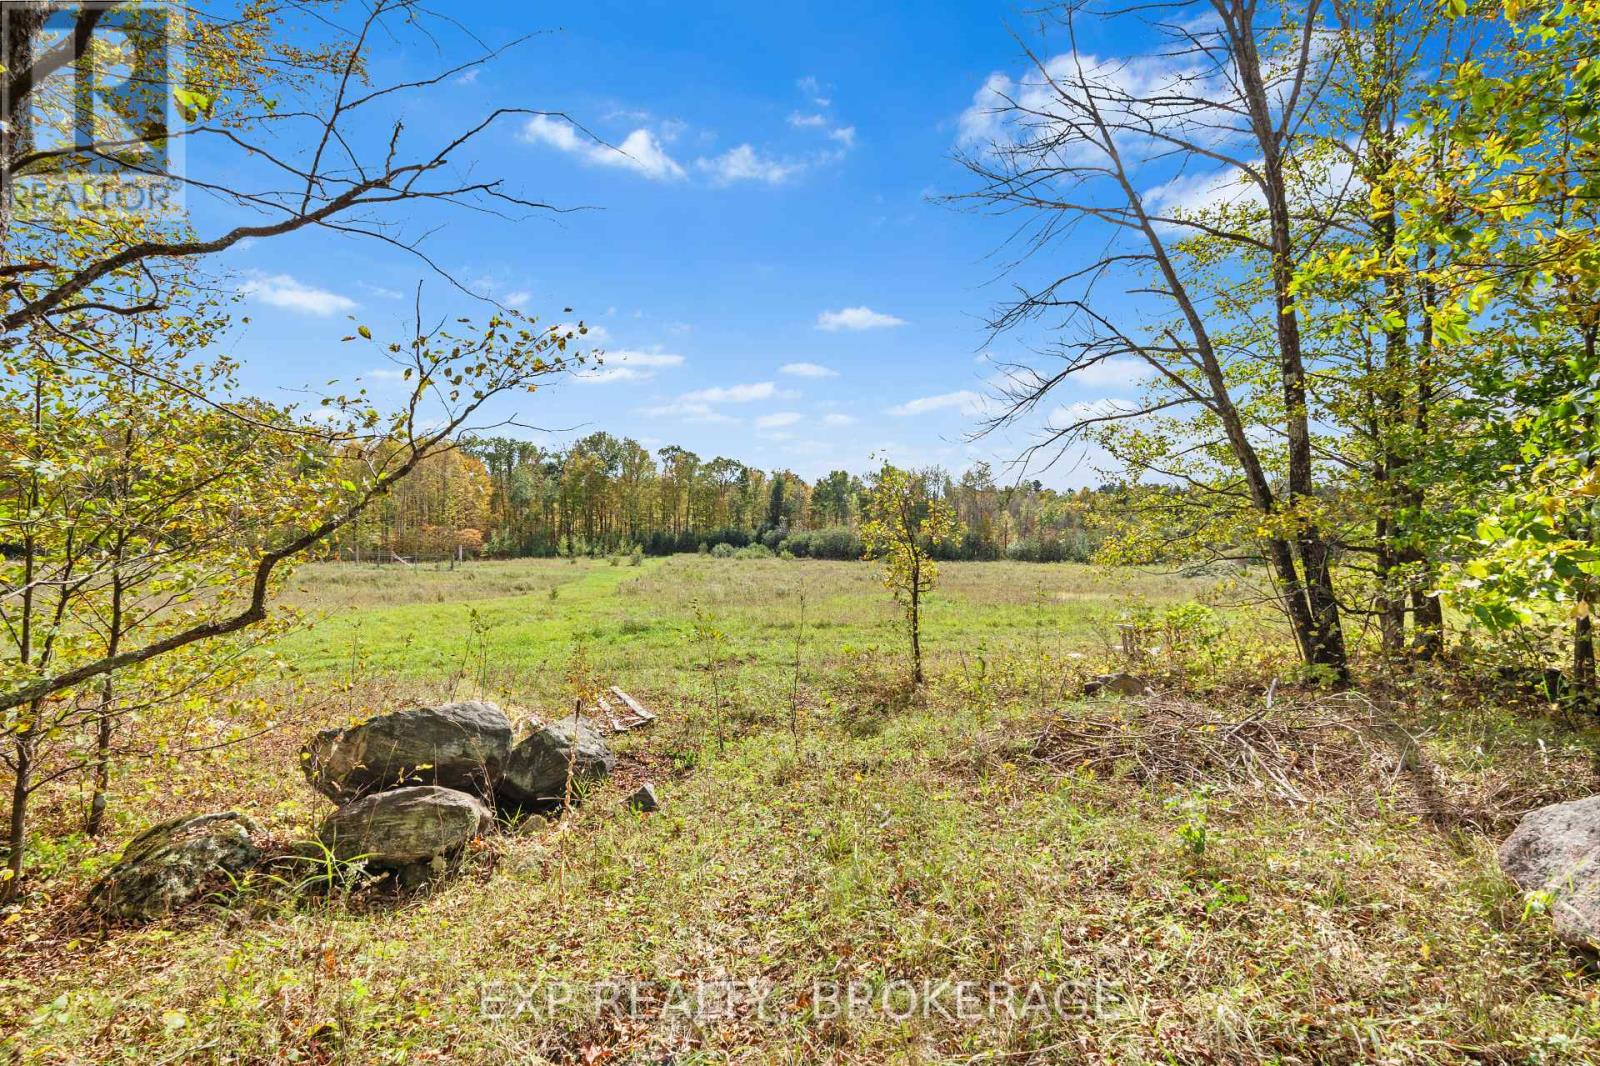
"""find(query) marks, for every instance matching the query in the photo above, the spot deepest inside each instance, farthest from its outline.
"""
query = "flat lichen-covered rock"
(1116, 685)
(171, 863)
(416, 831)
(458, 745)
(1556, 849)
(536, 773)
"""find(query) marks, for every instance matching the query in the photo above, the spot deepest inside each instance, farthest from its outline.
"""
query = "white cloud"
(689, 412)
(807, 370)
(1192, 196)
(628, 365)
(814, 89)
(605, 375)
(745, 164)
(761, 390)
(1036, 114)
(594, 332)
(778, 419)
(844, 136)
(1070, 414)
(967, 401)
(856, 318)
(700, 405)
(645, 358)
(1188, 194)
(835, 419)
(380, 291)
(982, 122)
(640, 151)
(470, 76)
(645, 154)
(1113, 373)
(518, 298)
(291, 294)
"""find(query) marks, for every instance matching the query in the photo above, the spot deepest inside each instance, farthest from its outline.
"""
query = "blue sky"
(764, 264)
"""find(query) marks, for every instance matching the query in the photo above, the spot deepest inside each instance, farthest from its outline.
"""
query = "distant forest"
(498, 497)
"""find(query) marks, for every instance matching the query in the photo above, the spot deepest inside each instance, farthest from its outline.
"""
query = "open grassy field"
(818, 888)
(525, 617)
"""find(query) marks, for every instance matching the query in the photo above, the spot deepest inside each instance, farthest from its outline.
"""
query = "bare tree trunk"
(1583, 657)
(1326, 633)
(1389, 603)
(916, 626)
(1388, 419)
(17, 831)
(25, 734)
(102, 765)
(1427, 610)
(1583, 669)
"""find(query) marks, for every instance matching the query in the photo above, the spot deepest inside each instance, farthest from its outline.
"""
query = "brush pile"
(1313, 748)
(1292, 751)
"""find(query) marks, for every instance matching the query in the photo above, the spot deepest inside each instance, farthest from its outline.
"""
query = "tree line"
(502, 497)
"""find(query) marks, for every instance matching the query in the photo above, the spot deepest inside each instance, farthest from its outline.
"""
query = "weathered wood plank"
(633, 705)
(610, 714)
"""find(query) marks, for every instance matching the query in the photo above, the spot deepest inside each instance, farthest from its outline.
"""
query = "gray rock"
(1556, 849)
(171, 863)
(1116, 685)
(644, 798)
(416, 832)
(458, 745)
(536, 773)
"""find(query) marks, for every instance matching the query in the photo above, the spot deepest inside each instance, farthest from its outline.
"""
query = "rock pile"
(416, 832)
(414, 785)
(458, 745)
(414, 788)
(174, 862)
(536, 772)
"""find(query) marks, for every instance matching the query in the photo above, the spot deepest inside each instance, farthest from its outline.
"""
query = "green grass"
(912, 840)
(429, 623)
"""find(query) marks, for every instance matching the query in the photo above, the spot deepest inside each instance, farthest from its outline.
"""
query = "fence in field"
(370, 557)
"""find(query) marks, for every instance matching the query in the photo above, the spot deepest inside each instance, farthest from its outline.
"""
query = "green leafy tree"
(1506, 208)
(147, 526)
(904, 523)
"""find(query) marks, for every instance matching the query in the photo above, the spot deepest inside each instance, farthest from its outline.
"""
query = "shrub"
(832, 543)
(724, 550)
(752, 551)
(1072, 546)
(835, 543)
